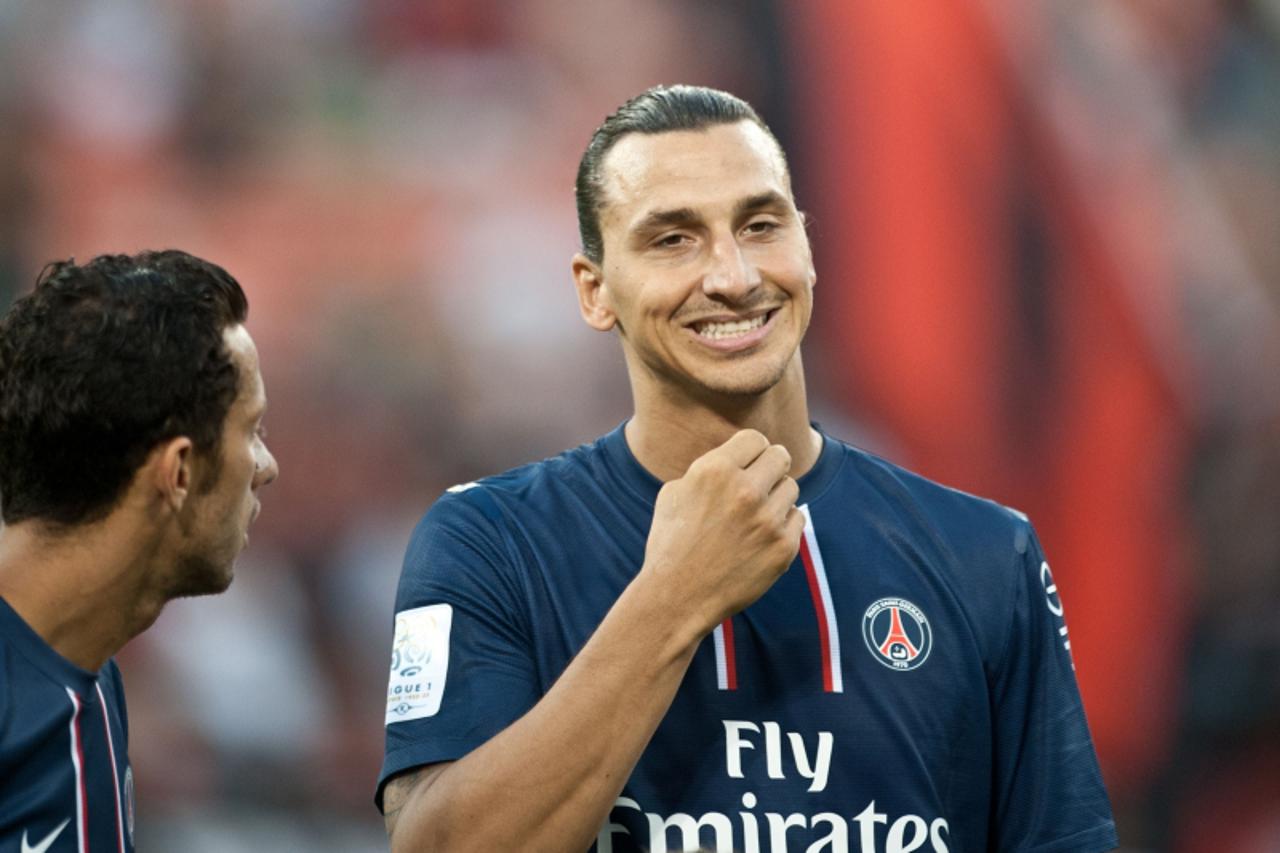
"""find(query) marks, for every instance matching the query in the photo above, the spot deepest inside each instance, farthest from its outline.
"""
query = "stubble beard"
(197, 575)
(744, 389)
(715, 389)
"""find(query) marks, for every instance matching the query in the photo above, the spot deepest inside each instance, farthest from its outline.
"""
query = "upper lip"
(730, 318)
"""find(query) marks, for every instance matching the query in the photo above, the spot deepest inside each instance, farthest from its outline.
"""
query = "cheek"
(798, 279)
(245, 465)
(648, 290)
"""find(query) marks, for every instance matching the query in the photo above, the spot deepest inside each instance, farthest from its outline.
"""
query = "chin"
(747, 384)
(198, 576)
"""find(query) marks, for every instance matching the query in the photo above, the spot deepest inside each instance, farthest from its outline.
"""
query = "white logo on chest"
(46, 842)
(814, 769)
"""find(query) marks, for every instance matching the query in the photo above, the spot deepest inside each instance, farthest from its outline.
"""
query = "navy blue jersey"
(906, 685)
(65, 781)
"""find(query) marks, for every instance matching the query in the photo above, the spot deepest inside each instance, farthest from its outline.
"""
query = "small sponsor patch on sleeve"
(419, 662)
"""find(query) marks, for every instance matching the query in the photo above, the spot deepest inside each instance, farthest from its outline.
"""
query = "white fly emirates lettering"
(755, 829)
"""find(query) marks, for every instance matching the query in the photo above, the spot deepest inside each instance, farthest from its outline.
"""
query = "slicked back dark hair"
(658, 110)
(98, 365)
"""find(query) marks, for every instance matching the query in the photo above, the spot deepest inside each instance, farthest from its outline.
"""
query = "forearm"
(721, 535)
(548, 780)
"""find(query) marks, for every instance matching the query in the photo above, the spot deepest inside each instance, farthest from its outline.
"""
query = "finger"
(784, 495)
(768, 469)
(742, 448)
(795, 525)
(792, 530)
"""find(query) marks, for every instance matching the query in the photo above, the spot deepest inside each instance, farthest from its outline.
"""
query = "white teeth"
(737, 328)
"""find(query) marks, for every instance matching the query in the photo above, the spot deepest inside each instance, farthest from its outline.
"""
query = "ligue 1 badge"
(897, 633)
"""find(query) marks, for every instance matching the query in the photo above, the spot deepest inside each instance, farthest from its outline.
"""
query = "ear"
(593, 300)
(173, 471)
(805, 222)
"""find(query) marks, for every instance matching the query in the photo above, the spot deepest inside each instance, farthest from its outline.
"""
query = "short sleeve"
(461, 667)
(1049, 796)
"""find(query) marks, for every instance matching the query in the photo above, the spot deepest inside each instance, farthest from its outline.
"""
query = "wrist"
(656, 610)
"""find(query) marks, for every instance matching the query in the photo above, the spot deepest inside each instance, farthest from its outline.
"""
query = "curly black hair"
(99, 364)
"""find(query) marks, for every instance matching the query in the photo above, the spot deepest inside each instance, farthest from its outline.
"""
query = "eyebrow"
(659, 219)
(760, 201)
(685, 216)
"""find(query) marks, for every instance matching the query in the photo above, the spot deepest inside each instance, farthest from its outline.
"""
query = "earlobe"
(593, 301)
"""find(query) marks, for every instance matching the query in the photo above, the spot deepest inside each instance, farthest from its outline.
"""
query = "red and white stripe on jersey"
(828, 629)
(820, 591)
(77, 760)
(115, 774)
(726, 658)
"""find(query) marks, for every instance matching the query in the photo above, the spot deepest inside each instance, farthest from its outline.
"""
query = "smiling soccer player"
(717, 626)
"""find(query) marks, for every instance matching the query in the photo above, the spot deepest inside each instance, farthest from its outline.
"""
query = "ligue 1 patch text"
(419, 662)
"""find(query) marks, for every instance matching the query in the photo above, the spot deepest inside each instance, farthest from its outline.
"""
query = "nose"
(265, 470)
(732, 275)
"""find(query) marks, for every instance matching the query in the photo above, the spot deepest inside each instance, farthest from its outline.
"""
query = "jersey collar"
(637, 480)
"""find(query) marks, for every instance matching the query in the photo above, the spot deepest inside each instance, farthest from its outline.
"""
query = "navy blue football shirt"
(906, 685)
(65, 781)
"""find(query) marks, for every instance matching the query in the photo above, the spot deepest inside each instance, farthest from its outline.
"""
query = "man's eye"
(761, 226)
(670, 241)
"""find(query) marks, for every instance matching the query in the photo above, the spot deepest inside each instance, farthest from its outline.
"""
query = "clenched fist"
(726, 530)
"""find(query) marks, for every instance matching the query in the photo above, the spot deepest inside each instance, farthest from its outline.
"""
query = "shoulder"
(525, 491)
(977, 548)
(966, 522)
(976, 557)
(527, 481)
(476, 530)
(17, 677)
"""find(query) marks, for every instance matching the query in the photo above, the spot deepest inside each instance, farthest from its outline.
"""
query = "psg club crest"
(897, 633)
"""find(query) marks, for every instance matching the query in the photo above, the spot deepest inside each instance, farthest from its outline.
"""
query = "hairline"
(602, 197)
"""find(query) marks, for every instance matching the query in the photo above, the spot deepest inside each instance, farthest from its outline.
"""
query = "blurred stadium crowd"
(1046, 237)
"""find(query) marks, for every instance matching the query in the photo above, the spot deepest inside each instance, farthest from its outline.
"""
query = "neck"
(671, 429)
(84, 591)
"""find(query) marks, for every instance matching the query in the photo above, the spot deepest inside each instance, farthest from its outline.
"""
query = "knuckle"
(708, 471)
(710, 460)
(743, 496)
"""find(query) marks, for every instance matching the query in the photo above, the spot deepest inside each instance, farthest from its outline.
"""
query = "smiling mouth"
(727, 330)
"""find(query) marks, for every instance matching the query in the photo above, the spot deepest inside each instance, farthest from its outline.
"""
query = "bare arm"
(721, 536)
(403, 787)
